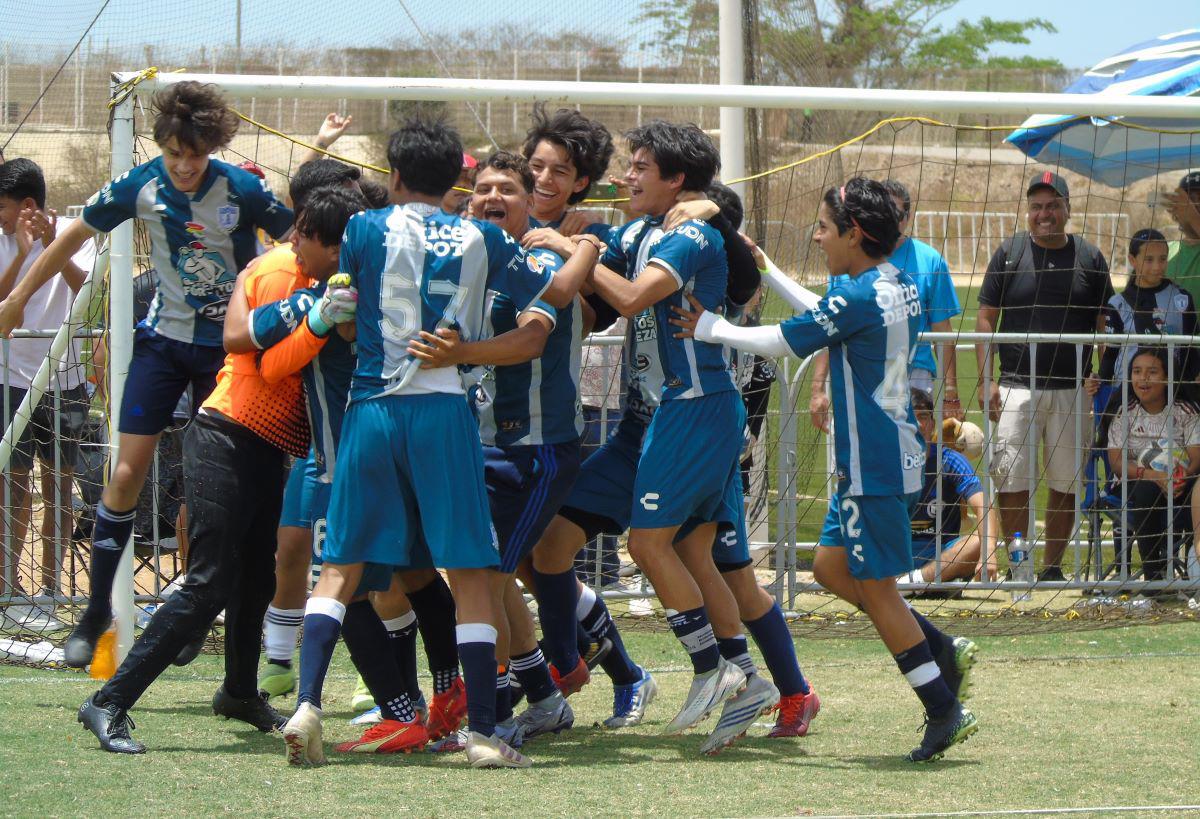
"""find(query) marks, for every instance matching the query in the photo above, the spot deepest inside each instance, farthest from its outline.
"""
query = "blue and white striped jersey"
(418, 268)
(198, 241)
(870, 325)
(326, 377)
(661, 366)
(536, 402)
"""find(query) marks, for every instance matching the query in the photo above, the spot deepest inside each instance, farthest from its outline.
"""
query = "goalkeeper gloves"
(336, 306)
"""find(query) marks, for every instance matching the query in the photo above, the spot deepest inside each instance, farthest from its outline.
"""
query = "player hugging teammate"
(452, 343)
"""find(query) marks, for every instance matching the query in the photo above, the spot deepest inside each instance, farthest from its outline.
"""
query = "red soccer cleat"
(795, 714)
(388, 737)
(571, 683)
(447, 710)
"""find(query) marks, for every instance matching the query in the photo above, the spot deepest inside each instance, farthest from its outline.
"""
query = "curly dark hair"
(195, 114)
(508, 161)
(678, 149)
(587, 142)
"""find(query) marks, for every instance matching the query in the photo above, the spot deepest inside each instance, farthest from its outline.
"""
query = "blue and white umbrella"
(1120, 150)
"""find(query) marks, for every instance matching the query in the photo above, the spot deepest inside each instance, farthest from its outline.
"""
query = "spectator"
(959, 488)
(1149, 305)
(1140, 441)
(1183, 265)
(57, 421)
(939, 304)
(1045, 281)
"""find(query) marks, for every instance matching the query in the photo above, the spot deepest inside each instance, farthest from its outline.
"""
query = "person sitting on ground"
(959, 488)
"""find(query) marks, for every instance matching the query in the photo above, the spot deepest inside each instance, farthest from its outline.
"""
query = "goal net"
(968, 195)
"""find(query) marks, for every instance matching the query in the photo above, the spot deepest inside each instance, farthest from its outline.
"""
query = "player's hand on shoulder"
(760, 258)
(689, 208)
(545, 238)
(441, 349)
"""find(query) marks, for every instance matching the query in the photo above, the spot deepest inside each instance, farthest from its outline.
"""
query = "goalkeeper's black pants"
(234, 489)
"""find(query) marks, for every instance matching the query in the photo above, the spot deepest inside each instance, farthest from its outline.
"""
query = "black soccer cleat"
(597, 651)
(111, 725)
(192, 650)
(254, 710)
(941, 733)
(81, 643)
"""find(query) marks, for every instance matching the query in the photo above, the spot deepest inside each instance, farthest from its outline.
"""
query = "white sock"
(282, 626)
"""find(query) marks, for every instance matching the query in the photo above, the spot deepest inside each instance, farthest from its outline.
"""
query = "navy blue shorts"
(602, 498)
(526, 485)
(159, 372)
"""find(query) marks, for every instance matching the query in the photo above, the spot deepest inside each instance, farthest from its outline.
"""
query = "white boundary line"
(1016, 812)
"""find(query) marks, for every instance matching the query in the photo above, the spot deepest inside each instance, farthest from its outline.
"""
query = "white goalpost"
(510, 91)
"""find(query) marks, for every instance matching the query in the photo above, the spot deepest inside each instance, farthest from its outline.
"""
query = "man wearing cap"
(1043, 281)
(1183, 259)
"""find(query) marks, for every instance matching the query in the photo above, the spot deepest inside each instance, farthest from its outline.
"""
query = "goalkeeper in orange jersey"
(235, 457)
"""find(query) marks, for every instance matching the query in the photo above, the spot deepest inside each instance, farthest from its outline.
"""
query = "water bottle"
(1020, 563)
(145, 613)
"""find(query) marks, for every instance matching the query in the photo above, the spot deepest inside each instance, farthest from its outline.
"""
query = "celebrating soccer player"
(397, 500)
(870, 323)
(201, 215)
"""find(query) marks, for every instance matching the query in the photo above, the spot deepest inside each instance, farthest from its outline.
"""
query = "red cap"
(469, 162)
(247, 165)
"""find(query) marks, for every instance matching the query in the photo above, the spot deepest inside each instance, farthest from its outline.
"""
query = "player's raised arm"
(575, 271)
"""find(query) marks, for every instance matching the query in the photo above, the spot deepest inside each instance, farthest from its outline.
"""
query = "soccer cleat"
(362, 699)
(570, 683)
(550, 716)
(958, 724)
(597, 651)
(796, 712)
(447, 710)
(276, 680)
(373, 717)
(493, 752)
(388, 736)
(955, 662)
(707, 692)
(111, 725)
(302, 736)
(453, 743)
(758, 697)
(630, 701)
(81, 642)
(510, 732)
(254, 710)
(192, 650)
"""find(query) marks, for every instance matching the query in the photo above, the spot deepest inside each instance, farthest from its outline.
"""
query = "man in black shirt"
(1043, 281)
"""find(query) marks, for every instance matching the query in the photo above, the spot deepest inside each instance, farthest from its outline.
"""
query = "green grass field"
(1086, 719)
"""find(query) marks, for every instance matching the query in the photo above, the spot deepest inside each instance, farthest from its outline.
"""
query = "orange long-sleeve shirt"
(272, 408)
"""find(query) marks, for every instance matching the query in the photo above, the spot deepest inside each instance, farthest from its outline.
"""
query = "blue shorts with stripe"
(160, 370)
(688, 471)
(305, 506)
(305, 497)
(875, 530)
(526, 485)
(604, 487)
(408, 490)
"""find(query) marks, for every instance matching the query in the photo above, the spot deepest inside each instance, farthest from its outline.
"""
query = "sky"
(1088, 30)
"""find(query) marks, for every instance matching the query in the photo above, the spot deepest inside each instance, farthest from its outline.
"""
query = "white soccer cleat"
(630, 702)
(493, 752)
(758, 697)
(550, 716)
(302, 736)
(707, 692)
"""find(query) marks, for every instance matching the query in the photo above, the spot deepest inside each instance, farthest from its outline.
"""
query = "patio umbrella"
(1118, 150)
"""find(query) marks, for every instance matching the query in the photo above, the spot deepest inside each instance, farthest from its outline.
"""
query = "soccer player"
(235, 454)
(201, 215)
(869, 322)
(567, 152)
(396, 500)
(686, 475)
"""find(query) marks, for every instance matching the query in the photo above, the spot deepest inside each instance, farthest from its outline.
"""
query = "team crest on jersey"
(534, 264)
(227, 216)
